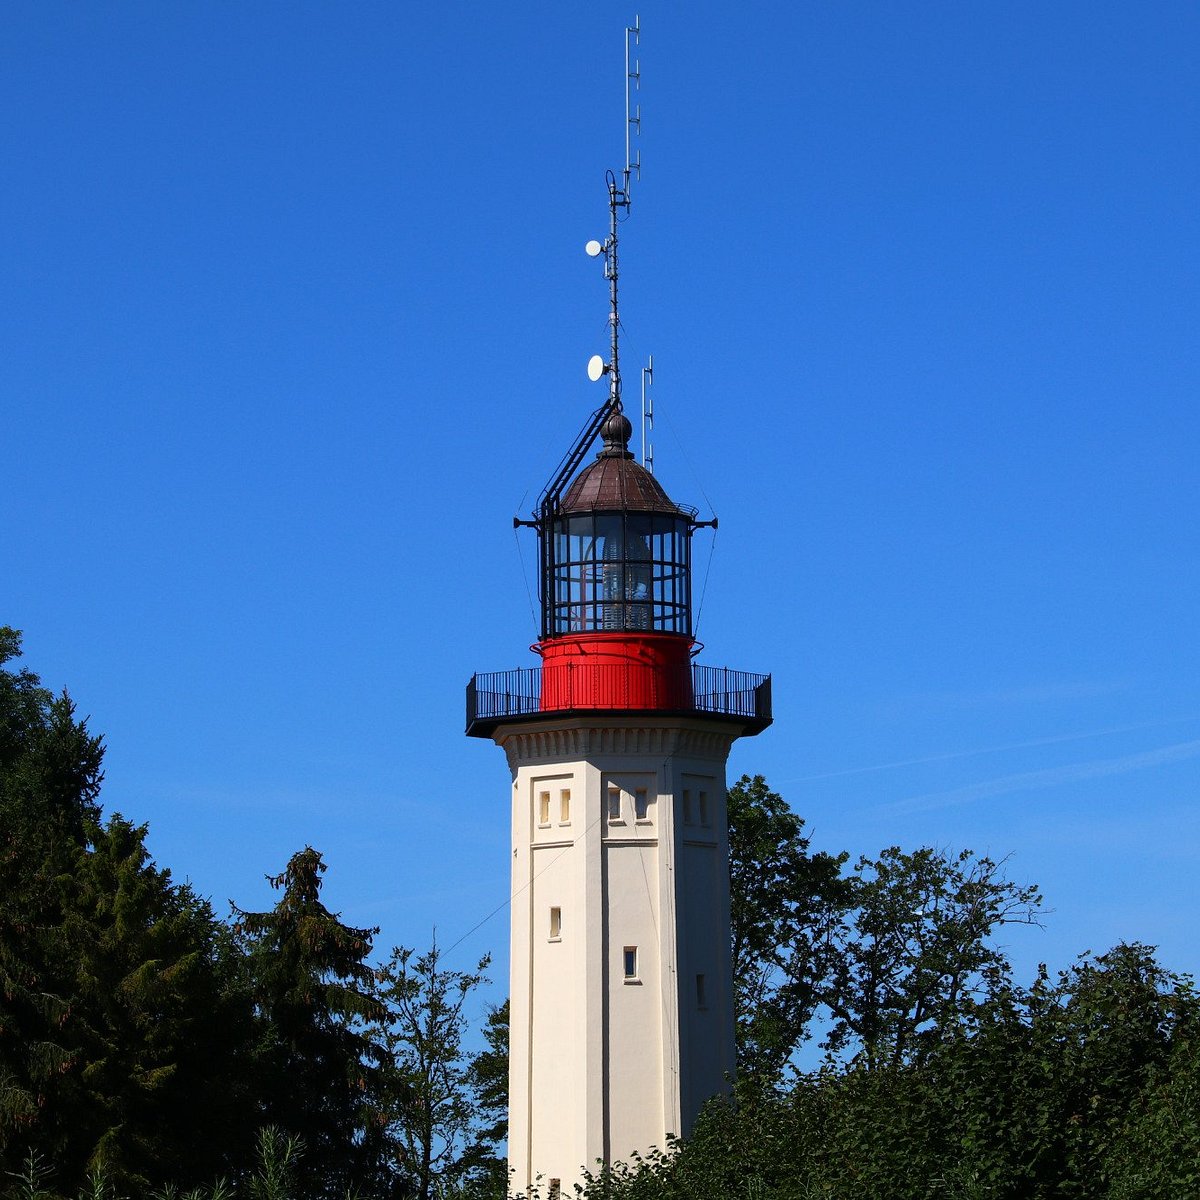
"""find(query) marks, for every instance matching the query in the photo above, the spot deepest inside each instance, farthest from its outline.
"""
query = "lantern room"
(616, 552)
(617, 633)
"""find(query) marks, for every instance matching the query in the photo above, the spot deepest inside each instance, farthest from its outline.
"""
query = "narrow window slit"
(641, 805)
(614, 802)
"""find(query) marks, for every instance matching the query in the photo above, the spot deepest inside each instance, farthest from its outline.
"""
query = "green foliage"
(279, 1156)
(117, 1061)
(273, 1178)
(912, 952)
(30, 1180)
(317, 1058)
(143, 1042)
(782, 900)
(487, 1076)
(1156, 1153)
(1085, 1085)
(44, 825)
(431, 1106)
(889, 954)
(113, 1034)
(24, 703)
(1108, 1030)
(157, 1036)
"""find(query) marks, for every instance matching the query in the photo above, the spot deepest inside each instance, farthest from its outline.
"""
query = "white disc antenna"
(597, 368)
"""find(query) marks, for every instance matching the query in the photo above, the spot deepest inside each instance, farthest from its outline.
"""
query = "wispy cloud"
(1050, 777)
(982, 750)
(1045, 692)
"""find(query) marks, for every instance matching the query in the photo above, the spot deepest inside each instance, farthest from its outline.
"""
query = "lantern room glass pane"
(620, 572)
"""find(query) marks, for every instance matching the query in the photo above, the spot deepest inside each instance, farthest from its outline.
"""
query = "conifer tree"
(161, 1037)
(50, 773)
(317, 1060)
(117, 1034)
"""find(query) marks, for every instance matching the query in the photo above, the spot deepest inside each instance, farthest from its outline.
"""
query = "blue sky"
(296, 319)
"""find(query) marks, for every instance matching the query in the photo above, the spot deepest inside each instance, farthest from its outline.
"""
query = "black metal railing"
(494, 696)
(734, 693)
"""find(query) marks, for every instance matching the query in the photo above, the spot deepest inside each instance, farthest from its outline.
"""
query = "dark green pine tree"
(50, 774)
(318, 1058)
(118, 1031)
(163, 1035)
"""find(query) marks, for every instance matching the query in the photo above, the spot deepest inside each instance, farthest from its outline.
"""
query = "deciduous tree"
(782, 900)
(432, 1105)
(914, 948)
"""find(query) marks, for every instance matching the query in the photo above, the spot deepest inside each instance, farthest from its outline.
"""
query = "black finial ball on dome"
(616, 432)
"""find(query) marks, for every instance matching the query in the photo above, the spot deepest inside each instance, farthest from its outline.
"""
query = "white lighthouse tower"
(621, 984)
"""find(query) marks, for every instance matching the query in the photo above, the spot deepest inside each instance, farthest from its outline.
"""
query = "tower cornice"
(584, 738)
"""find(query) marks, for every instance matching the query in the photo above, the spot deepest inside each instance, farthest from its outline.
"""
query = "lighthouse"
(621, 988)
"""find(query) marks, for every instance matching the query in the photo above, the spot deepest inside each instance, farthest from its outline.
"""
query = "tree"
(887, 954)
(782, 898)
(114, 1030)
(156, 1036)
(914, 949)
(488, 1079)
(23, 703)
(43, 834)
(319, 1051)
(432, 1107)
(1156, 1153)
(1080, 1085)
(1117, 1033)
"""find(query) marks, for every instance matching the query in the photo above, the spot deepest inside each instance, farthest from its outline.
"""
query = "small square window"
(631, 971)
(705, 816)
(555, 924)
(614, 802)
(687, 806)
(641, 805)
(543, 808)
(564, 806)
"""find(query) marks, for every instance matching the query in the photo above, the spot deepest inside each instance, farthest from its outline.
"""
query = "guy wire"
(525, 577)
(526, 886)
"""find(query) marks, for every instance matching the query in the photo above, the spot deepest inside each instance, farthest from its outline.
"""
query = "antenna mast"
(597, 368)
(633, 120)
(618, 199)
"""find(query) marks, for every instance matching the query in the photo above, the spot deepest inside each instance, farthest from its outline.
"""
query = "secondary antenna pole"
(647, 413)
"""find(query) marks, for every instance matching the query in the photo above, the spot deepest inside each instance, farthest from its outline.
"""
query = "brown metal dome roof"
(616, 482)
